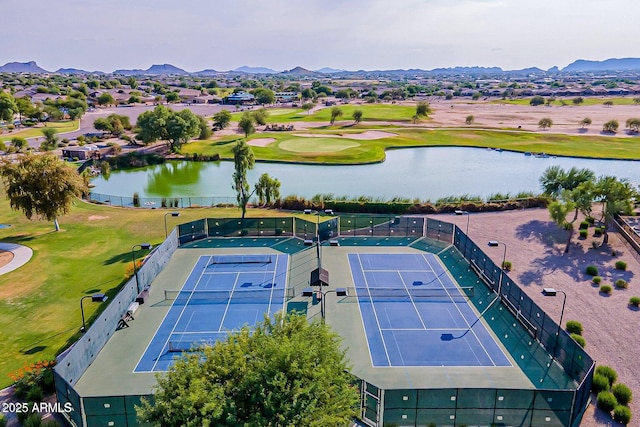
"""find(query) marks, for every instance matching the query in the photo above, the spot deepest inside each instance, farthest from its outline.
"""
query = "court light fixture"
(173, 214)
(94, 298)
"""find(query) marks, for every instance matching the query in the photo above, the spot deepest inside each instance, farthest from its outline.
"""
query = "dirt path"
(535, 246)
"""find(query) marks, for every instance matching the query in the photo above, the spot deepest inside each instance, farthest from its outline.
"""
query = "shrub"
(600, 383)
(597, 232)
(622, 393)
(621, 265)
(606, 289)
(621, 284)
(591, 270)
(591, 220)
(574, 327)
(579, 339)
(606, 401)
(596, 280)
(622, 414)
(584, 225)
(35, 394)
(3, 421)
(584, 234)
(33, 420)
(506, 265)
(50, 423)
(608, 372)
(634, 301)
(594, 244)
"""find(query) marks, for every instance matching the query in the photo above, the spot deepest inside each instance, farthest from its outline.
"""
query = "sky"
(194, 35)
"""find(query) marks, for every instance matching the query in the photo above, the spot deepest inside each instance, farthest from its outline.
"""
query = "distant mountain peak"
(299, 71)
(611, 64)
(329, 70)
(254, 70)
(22, 67)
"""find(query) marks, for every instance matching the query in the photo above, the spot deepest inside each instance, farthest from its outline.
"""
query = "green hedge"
(608, 372)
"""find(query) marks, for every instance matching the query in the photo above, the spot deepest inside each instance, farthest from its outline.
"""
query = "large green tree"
(221, 119)
(41, 185)
(246, 124)
(114, 124)
(181, 127)
(106, 98)
(264, 96)
(243, 161)
(8, 107)
(286, 372)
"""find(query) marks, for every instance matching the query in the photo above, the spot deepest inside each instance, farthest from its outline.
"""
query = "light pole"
(166, 233)
(308, 292)
(551, 292)
(494, 243)
(94, 298)
(133, 258)
(459, 212)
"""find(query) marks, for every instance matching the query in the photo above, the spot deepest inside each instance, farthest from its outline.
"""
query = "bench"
(142, 296)
(133, 307)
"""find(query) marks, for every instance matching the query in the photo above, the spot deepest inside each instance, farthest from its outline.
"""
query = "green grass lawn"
(369, 151)
(40, 301)
(61, 127)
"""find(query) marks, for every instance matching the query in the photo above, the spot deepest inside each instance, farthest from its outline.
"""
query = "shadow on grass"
(22, 238)
(122, 258)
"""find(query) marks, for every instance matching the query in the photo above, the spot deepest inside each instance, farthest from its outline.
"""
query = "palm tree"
(558, 211)
(616, 197)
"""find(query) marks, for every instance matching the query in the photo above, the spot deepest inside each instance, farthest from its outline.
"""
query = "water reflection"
(423, 173)
(169, 178)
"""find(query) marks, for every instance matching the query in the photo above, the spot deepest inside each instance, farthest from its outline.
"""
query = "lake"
(426, 173)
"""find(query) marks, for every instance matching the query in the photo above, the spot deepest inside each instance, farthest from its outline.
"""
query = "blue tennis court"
(414, 314)
(221, 294)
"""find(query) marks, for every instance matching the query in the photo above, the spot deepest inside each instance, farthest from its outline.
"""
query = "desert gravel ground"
(535, 246)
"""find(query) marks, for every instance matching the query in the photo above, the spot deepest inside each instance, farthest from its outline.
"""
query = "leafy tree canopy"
(287, 372)
(41, 185)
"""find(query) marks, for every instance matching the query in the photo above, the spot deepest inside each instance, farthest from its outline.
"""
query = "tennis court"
(414, 314)
(221, 294)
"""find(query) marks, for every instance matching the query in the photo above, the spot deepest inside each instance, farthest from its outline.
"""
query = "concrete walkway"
(21, 255)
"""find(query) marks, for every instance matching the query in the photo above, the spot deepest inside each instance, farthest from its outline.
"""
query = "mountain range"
(580, 65)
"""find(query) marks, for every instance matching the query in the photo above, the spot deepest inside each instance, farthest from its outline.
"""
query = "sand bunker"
(5, 257)
(366, 135)
(261, 142)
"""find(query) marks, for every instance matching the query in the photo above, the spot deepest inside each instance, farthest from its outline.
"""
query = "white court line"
(413, 303)
(375, 314)
(467, 322)
(364, 328)
(166, 343)
(226, 309)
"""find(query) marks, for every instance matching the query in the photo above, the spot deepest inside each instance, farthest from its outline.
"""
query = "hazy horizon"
(283, 34)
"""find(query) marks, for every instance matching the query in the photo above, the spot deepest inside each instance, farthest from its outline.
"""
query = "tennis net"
(450, 294)
(241, 259)
(188, 346)
(244, 295)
